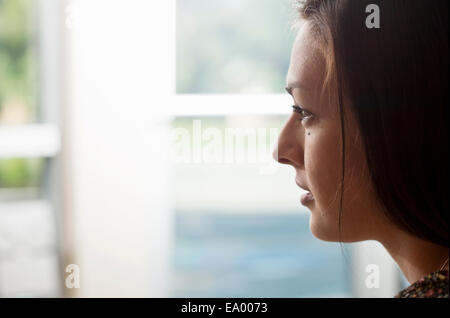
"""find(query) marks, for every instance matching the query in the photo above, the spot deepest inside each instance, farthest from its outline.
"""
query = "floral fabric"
(434, 285)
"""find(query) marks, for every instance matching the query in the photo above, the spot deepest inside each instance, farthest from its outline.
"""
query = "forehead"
(307, 64)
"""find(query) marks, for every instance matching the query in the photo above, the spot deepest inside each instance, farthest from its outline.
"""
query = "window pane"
(18, 91)
(223, 254)
(18, 65)
(21, 179)
(233, 46)
(240, 229)
(21, 173)
(28, 230)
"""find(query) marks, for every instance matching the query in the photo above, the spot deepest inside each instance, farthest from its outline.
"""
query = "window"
(233, 46)
(18, 92)
(240, 231)
(29, 142)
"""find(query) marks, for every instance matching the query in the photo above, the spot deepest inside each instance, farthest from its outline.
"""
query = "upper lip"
(301, 185)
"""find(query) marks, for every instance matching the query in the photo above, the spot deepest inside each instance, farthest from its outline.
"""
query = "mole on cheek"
(309, 134)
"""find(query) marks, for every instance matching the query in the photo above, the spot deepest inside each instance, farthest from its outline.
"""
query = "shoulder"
(434, 285)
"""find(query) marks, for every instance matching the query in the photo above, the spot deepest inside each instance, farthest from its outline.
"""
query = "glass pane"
(18, 62)
(18, 92)
(21, 179)
(28, 240)
(240, 229)
(223, 254)
(233, 46)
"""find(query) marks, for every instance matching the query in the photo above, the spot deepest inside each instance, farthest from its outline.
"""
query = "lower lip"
(306, 198)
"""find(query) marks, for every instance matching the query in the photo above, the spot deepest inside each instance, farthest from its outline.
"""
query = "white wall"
(120, 83)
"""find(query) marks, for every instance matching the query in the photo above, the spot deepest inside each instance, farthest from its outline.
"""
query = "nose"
(276, 155)
(289, 149)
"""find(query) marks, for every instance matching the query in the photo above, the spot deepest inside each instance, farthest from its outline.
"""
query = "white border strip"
(29, 141)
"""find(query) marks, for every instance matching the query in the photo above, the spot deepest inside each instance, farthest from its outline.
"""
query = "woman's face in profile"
(311, 143)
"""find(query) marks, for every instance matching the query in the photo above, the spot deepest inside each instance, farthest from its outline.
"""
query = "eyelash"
(303, 112)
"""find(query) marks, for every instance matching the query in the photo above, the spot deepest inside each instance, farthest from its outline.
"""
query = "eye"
(303, 112)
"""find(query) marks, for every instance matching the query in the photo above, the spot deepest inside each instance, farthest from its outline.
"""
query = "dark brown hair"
(396, 78)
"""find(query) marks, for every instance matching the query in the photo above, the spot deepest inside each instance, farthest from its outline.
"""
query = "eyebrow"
(293, 85)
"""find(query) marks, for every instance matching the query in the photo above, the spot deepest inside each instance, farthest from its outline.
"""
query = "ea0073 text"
(246, 307)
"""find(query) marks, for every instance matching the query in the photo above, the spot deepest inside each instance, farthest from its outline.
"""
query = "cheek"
(323, 166)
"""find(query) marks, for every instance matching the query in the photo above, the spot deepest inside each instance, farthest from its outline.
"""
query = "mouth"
(302, 186)
(307, 197)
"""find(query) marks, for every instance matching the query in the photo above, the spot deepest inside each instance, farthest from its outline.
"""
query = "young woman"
(368, 133)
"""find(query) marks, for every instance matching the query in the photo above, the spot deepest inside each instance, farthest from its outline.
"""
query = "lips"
(307, 197)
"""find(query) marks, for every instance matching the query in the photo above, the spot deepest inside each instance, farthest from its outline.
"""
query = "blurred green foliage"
(18, 67)
(233, 46)
(20, 173)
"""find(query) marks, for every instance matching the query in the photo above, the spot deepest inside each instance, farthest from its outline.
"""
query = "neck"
(415, 257)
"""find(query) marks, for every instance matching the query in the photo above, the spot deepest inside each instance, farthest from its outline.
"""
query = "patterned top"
(434, 285)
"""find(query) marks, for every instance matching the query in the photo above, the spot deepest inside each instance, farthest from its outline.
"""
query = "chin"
(322, 233)
(326, 229)
(329, 232)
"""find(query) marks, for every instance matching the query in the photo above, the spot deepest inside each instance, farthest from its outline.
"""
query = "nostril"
(283, 161)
